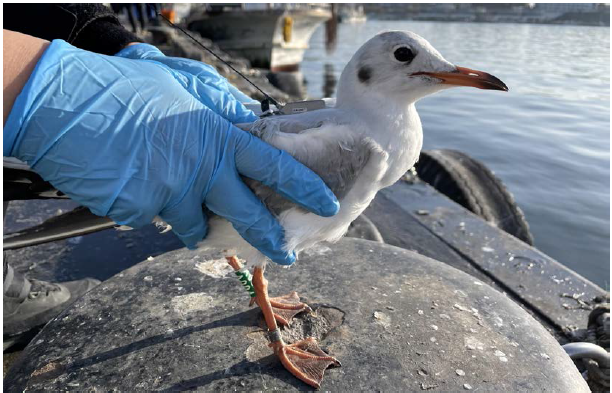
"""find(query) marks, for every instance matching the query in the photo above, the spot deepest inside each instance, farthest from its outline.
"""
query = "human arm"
(94, 27)
(20, 53)
(127, 139)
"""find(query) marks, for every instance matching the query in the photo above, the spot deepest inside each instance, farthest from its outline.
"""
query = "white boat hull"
(262, 36)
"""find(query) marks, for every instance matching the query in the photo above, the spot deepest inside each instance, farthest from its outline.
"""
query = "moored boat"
(271, 37)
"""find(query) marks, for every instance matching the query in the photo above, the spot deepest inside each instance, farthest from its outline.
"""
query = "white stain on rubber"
(382, 319)
(216, 268)
(318, 249)
(500, 355)
(192, 302)
(472, 343)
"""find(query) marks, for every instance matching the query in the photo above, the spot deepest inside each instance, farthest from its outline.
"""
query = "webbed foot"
(305, 360)
(286, 307)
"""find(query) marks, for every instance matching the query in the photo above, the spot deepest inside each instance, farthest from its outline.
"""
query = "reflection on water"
(291, 83)
(294, 83)
(329, 80)
(548, 138)
(331, 31)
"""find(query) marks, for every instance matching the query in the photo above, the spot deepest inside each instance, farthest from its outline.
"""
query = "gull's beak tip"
(467, 77)
(478, 79)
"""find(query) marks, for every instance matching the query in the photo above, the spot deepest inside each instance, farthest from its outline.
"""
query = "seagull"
(365, 143)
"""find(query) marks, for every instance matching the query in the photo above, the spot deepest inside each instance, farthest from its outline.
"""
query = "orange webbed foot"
(286, 307)
(305, 360)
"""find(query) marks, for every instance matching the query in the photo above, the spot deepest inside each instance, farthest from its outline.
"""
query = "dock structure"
(394, 318)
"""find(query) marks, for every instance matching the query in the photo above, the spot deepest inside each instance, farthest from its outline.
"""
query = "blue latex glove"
(210, 88)
(127, 139)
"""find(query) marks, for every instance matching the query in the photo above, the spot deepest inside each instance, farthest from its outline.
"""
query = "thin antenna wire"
(272, 100)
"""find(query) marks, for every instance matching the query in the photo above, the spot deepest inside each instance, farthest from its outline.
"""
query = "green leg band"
(247, 280)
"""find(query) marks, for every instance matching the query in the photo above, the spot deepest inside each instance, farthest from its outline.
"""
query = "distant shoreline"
(570, 19)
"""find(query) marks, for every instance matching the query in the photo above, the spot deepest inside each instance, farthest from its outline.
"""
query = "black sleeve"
(93, 27)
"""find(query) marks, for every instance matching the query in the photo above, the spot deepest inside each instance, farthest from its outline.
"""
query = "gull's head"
(403, 66)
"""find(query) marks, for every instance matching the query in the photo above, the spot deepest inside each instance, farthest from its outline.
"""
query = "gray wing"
(293, 124)
(337, 159)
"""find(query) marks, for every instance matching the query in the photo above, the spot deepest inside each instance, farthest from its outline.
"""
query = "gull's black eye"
(404, 54)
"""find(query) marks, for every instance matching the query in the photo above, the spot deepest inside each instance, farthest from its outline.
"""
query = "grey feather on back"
(292, 124)
(338, 165)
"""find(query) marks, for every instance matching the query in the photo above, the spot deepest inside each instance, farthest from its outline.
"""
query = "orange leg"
(284, 307)
(304, 359)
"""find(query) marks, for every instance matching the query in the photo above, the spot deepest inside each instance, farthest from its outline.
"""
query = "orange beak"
(467, 77)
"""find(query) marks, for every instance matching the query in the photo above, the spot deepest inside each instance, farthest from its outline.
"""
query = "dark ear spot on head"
(364, 74)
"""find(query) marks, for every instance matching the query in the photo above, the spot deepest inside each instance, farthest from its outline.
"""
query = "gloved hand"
(127, 139)
(210, 88)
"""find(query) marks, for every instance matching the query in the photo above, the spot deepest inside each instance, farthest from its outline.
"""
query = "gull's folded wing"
(330, 150)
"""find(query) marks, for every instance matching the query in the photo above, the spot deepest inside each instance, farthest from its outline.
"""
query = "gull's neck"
(389, 121)
(389, 117)
(393, 124)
